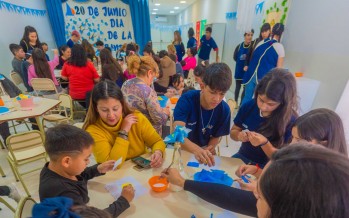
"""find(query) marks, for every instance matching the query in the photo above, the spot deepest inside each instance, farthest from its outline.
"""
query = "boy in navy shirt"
(75, 37)
(206, 44)
(205, 113)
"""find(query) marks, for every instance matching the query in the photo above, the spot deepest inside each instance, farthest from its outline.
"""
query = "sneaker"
(15, 194)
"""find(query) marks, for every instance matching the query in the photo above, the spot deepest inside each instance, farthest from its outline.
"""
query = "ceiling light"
(182, 2)
(176, 8)
(155, 9)
(157, 4)
(171, 12)
(153, 13)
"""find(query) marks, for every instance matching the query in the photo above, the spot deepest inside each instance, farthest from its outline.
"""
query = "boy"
(24, 70)
(100, 45)
(17, 60)
(75, 37)
(205, 113)
(206, 44)
(69, 149)
(45, 49)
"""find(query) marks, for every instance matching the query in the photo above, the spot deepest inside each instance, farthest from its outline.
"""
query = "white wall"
(12, 26)
(171, 19)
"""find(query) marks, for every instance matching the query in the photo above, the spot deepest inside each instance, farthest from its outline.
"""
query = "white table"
(166, 204)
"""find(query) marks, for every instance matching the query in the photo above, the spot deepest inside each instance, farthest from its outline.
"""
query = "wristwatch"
(123, 134)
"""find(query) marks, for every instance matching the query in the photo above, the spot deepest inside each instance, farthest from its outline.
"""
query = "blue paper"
(193, 164)
(163, 101)
(179, 134)
(244, 179)
(214, 176)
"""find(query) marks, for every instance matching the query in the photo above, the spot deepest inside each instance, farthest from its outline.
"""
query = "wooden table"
(43, 105)
(165, 204)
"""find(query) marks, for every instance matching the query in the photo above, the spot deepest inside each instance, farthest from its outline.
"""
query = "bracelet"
(257, 169)
(263, 143)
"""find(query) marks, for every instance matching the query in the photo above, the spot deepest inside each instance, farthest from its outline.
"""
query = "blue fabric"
(213, 176)
(188, 111)
(249, 89)
(179, 51)
(47, 57)
(240, 62)
(264, 59)
(140, 21)
(55, 13)
(192, 42)
(205, 47)
(70, 43)
(178, 135)
(24, 72)
(120, 81)
(58, 207)
(244, 159)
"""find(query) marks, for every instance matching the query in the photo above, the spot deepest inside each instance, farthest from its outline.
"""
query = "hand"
(242, 137)
(156, 159)
(55, 51)
(246, 169)
(204, 157)
(106, 166)
(128, 192)
(128, 121)
(166, 110)
(256, 139)
(211, 148)
(245, 68)
(247, 186)
(217, 59)
(173, 177)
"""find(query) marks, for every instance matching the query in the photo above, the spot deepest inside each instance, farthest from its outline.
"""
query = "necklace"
(202, 122)
(260, 113)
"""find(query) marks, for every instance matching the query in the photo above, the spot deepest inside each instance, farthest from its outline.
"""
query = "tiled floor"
(32, 180)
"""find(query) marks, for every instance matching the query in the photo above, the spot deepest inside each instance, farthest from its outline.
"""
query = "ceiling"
(167, 7)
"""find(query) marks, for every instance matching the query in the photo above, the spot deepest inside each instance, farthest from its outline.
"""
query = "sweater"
(108, 146)
(190, 63)
(53, 64)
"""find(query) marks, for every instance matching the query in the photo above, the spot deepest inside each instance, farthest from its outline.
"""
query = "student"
(64, 55)
(206, 44)
(199, 73)
(24, 70)
(179, 69)
(69, 149)
(178, 84)
(82, 75)
(171, 49)
(148, 51)
(205, 113)
(110, 68)
(130, 51)
(74, 39)
(240, 54)
(121, 53)
(109, 114)
(90, 52)
(264, 123)
(45, 49)
(138, 93)
(42, 68)
(100, 45)
(18, 56)
(189, 63)
(192, 42)
(10, 191)
(168, 69)
(178, 44)
(30, 39)
(267, 55)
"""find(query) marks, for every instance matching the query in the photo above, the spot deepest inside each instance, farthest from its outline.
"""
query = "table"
(165, 204)
(43, 105)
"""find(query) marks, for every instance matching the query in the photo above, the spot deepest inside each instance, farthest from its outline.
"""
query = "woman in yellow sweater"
(117, 130)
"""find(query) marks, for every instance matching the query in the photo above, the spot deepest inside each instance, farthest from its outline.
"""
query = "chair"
(25, 148)
(190, 81)
(65, 107)
(25, 207)
(43, 84)
(16, 78)
(79, 125)
(2, 172)
(7, 204)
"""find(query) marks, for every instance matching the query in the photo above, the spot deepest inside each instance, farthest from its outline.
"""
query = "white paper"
(117, 163)
(115, 188)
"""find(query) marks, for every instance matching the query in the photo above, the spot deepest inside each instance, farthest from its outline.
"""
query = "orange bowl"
(298, 74)
(158, 184)
(174, 100)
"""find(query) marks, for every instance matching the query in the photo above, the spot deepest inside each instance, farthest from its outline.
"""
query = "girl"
(30, 39)
(130, 50)
(177, 42)
(138, 93)
(167, 70)
(189, 63)
(90, 52)
(110, 67)
(192, 42)
(264, 123)
(118, 131)
(65, 53)
(41, 68)
(178, 84)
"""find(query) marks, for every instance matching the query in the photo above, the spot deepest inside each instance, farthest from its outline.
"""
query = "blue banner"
(20, 9)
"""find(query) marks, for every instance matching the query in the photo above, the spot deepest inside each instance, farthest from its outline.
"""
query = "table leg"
(41, 128)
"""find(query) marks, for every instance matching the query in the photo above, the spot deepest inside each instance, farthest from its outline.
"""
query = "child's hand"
(246, 169)
(242, 136)
(256, 139)
(247, 186)
(128, 192)
(156, 159)
(173, 176)
(55, 51)
(106, 166)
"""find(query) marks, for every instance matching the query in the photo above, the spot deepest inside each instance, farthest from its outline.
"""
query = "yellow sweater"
(110, 147)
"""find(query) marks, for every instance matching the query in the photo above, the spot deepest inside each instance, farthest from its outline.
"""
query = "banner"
(21, 10)
(108, 21)
(197, 32)
(202, 27)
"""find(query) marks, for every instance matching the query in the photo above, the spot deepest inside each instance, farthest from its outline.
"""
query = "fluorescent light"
(157, 4)
(171, 12)
(182, 2)
(153, 13)
(176, 8)
(155, 9)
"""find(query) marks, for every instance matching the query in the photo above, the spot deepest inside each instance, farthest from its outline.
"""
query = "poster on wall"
(197, 32)
(276, 11)
(109, 22)
(202, 28)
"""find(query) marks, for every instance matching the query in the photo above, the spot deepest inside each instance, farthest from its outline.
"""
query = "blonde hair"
(141, 65)
(171, 49)
(179, 38)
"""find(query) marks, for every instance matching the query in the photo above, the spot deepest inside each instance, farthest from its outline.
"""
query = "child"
(179, 69)
(30, 39)
(74, 39)
(24, 69)
(69, 149)
(17, 60)
(45, 49)
(189, 63)
(177, 84)
(206, 44)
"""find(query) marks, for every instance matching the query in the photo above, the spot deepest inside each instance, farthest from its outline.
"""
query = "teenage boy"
(205, 114)
(206, 44)
(75, 37)
(18, 56)
(69, 149)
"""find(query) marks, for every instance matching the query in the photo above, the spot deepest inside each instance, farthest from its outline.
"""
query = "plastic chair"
(25, 207)
(16, 78)
(25, 148)
(43, 84)
(65, 107)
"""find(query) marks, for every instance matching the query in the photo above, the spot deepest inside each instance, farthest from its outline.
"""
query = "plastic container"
(2, 102)
(158, 184)
(174, 100)
(26, 103)
(298, 74)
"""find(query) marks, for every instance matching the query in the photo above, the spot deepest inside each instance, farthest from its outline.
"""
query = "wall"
(171, 19)
(12, 26)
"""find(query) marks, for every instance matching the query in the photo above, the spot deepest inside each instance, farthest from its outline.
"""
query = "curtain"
(140, 21)
(55, 13)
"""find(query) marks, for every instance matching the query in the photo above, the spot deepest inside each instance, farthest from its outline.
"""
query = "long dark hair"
(101, 91)
(265, 27)
(278, 29)
(78, 56)
(111, 69)
(27, 30)
(90, 52)
(305, 180)
(278, 85)
(324, 126)
(41, 66)
(191, 32)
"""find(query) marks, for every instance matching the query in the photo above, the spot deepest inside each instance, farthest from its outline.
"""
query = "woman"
(30, 39)
(110, 67)
(65, 53)
(189, 63)
(171, 49)
(118, 131)
(167, 70)
(264, 123)
(267, 55)
(90, 52)
(178, 84)
(81, 73)
(177, 42)
(192, 42)
(138, 93)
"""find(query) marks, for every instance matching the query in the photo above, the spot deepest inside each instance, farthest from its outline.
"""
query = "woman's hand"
(128, 121)
(256, 139)
(173, 176)
(106, 166)
(204, 157)
(243, 137)
(156, 159)
(247, 186)
(246, 169)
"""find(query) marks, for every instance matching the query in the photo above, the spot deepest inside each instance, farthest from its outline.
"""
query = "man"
(206, 44)
(205, 113)
(75, 37)
(100, 45)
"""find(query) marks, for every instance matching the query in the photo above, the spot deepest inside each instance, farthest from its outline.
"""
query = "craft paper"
(115, 188)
